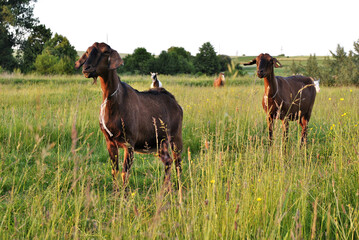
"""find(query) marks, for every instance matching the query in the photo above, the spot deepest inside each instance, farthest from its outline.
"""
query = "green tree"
(327, 74)
(46, 64)
(180, 51)
(16, 19)
(138, 62)
(337, 66)
(296, 68)
(32, 47)
(343, 67)
(57, 57)
(224, 62)
(356, 61)
(175, 61)
(312, 67)
(206, 61)
(7, 60)
(356, 48)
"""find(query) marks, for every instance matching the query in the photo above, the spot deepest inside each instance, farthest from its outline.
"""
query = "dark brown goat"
(219, 82)
(287, 98)
(145, 122)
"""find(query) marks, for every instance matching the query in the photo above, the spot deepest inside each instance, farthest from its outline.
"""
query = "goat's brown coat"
(219, 82)
(287, 98)
(144, 122)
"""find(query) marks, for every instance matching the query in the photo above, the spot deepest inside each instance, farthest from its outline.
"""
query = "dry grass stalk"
(315, 204)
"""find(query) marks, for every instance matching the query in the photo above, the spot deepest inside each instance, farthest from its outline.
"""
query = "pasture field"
(55, 173)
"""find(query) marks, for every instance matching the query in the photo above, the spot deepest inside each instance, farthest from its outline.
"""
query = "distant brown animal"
(219, 82)
(145, 122)
(287, 98)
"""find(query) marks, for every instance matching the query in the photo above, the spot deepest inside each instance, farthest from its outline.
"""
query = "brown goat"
(287, 98)
(219, 82)
(145, 122)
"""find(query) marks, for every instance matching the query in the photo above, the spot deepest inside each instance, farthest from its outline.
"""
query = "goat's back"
(154, 115)
(295, 84)
(298, 94)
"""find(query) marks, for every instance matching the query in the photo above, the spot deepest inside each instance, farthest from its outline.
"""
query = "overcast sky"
(233, 27)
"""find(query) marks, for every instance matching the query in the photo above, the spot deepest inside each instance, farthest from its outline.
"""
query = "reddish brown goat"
(287, 98)
(145, 122)
(219, 82)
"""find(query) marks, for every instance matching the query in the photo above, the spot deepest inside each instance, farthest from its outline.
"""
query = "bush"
(46, 64)
(57, 57)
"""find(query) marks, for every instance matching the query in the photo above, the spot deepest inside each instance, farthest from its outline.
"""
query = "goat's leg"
(270, 128)
(304, 124)
(177, 150)
(285, 126)
(113, 152)
(167, 161)
(127, 163)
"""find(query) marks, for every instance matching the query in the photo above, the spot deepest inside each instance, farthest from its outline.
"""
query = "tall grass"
(55, 180)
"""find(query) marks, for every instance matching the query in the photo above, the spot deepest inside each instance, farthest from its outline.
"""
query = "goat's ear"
(81, 61)
(254, 61)
(114, 60)
(277, 64)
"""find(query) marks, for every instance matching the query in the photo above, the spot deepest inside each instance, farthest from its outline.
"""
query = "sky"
(233, 27)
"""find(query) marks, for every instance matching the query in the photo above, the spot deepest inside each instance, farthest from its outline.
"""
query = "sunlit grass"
(234, 185)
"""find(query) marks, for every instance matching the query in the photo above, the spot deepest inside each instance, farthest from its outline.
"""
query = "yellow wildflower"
(259, 199)
(213, 181)
(341, 99)
(330, 99)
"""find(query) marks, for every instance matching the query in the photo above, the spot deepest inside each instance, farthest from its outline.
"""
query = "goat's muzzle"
(260, 74)
(89, 71)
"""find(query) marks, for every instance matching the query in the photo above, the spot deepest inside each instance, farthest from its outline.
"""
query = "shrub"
(57, 57)
(46, 63)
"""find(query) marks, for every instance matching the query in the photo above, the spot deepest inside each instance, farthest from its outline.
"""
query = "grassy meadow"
(55, 172)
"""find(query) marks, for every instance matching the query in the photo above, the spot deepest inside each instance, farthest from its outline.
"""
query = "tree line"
(38, 50)
(341, 68)
(176, 60)
(27, 46)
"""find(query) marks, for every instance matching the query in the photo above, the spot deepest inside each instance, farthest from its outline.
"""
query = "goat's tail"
(316, 84)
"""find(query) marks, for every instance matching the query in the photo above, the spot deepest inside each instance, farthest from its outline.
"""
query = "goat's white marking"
(159, 84)
(153, 75)
(316, 85)
(102, 112)
(275, 93)
(265, 100)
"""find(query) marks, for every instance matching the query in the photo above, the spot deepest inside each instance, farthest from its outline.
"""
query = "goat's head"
(98, 59)
(221, 75)
(154, 76)
(265, 64)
